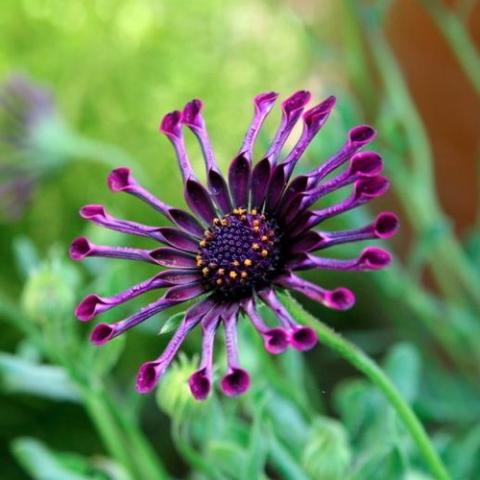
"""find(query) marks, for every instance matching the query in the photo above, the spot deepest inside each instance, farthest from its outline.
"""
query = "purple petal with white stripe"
(263, 104)
(121, 180)
(337, 299)
(98, 214)
(193, 119)
(371, 258)
(236, 381)
(150, 372)
(170, 257)
(104, 332)
(171, 126)
(276, 340)
(292, 109)
(81, 248)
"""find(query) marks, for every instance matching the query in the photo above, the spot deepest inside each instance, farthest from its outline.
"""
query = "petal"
(263, 104)
(104, 332)
(93, 304)
(81, 248)
(219, 191)
(181, 293)
(292, 108)
(303, 339)
(238, 180)
(121, 180)
(259, 184)
(199, 201)
(275, 187)
(98, 215)
(337, 299)
(235, 382)
(171, 126)
(179, 239)
(170, 257)
(150, 372)
(186, 221)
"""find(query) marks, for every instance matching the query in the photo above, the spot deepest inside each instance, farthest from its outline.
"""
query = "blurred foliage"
(114, 68)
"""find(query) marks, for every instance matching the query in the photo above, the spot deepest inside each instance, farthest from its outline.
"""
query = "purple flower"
(245, 238)
(25, 109)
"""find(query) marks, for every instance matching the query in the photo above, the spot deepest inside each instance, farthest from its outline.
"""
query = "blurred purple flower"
(246, 237)
(25, 108)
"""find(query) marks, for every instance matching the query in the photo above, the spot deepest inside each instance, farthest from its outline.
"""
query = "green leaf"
(18, 375)
(172, 323)
(402, 365)
(26, 255)
(105, 358)
(43, 464)
(257, 446)
(327, 453)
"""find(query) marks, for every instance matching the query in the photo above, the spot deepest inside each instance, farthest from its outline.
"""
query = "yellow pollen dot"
(264, 238)
(256, 229)
(203, 243)
(236, 263)
(224, 222)
(219, 281)
(233, 275)
(199, 263)
(205, 271)
(236, 211)
(216, 221)
(255, 246)
(221, 271)
(264, 253)
(244, 274)
(247, 262)
(254, 211)
(256, 223)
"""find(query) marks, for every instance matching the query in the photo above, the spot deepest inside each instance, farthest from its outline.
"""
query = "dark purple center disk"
(239, 252)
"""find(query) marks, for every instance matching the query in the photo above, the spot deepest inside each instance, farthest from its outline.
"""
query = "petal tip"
(191, 112)
(361, 135)
(119, 179)
(170, 124)
(236, 382)
(303, 339)
(87, 308)
(276, 340)
(386, 225)
(200, 384)
(101, 334)
(147, 377)
(374, 258)
(80, 248)
(93, 211)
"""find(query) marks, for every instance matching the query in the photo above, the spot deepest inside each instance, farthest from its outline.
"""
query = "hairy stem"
(370, 369)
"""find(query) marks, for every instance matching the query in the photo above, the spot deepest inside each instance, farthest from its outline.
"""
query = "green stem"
(109, 432)
(370, 369)
(459, 39)
(194, 459)
(421, 203)
(145, 456)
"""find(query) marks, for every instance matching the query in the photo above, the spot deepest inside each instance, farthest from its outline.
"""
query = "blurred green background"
(114, 68)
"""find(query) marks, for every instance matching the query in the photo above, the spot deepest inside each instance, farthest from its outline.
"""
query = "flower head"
(246, 236)
(30, 130)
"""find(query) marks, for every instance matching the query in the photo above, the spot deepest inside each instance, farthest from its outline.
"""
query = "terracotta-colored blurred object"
(447, 102)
